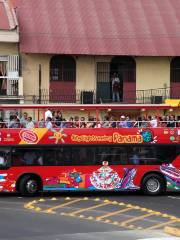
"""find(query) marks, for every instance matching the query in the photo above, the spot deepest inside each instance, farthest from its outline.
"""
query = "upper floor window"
(62, 68)
(175, 69)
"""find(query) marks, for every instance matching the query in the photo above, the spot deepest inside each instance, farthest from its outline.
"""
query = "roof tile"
(100, 27)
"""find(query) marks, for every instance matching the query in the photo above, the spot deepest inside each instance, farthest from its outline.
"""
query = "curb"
(173, 231)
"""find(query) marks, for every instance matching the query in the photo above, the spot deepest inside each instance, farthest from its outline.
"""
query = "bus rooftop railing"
(91, 124)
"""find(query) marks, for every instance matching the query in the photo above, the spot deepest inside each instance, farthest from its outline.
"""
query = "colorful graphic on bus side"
(104, 178)
(172, 175)
(84, 136)
(6, 185)
(66, 180)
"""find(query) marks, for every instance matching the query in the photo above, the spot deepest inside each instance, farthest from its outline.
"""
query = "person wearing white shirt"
(48, 114)
(23, 120)
(154, 122)
(48, 123)
(29, 123)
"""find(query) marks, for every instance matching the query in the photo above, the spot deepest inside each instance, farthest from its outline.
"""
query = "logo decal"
(58, 135)
(28, 136)
(147, 135)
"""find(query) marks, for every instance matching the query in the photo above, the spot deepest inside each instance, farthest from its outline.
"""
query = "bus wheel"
(29, 186)
(153, 184)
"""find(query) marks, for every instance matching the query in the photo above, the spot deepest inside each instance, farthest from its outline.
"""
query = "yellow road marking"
(90, 208)
(50, 210)
(172, 219)
(68, 198)
(37, 209)
(29, 206)
(97, 199)
(53, 199)
(136, 218)
(115, 223)
(113, 213)
(161, 224)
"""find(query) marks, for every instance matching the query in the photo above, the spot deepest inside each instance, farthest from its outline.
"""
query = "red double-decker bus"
(99, 147)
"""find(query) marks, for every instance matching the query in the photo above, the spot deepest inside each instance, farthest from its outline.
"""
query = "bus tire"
(153, 184)
(29, 185)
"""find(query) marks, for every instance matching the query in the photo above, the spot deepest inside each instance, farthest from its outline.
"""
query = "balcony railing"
(150, 96)
(9, 86)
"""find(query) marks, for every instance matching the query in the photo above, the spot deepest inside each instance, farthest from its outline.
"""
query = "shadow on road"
(91, 194)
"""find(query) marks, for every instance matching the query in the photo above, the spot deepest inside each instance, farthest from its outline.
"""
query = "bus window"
(83, 155)
(4, 157)
(133, 156)
(64, 156)
(167, 153)
(113, 155)
(26, 156)
(152, 155)
(148, 155)
(17, 159)
(102, 154)
(49, 157)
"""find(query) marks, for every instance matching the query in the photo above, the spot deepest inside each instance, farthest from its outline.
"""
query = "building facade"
(11, 84)
(70, 51)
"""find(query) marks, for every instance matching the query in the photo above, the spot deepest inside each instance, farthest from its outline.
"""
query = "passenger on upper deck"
(24, 120)
(14, 122)
(171, 122)
(112, 122)
(163, 121)
(154, 122)
(48, 123)
(2, 123)
(106, 122)
(58, 119)
(129, 122)
(29, 123)
(82, 122)
(123, 122)
(47, 114)
(144, 122)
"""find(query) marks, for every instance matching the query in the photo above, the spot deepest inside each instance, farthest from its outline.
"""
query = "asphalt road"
(90, 216)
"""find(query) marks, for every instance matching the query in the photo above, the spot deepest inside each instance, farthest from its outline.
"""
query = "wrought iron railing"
(150, 96)
(157, 95)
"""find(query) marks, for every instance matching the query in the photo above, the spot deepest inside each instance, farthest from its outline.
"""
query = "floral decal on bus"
(105, 178)
(172, 175)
